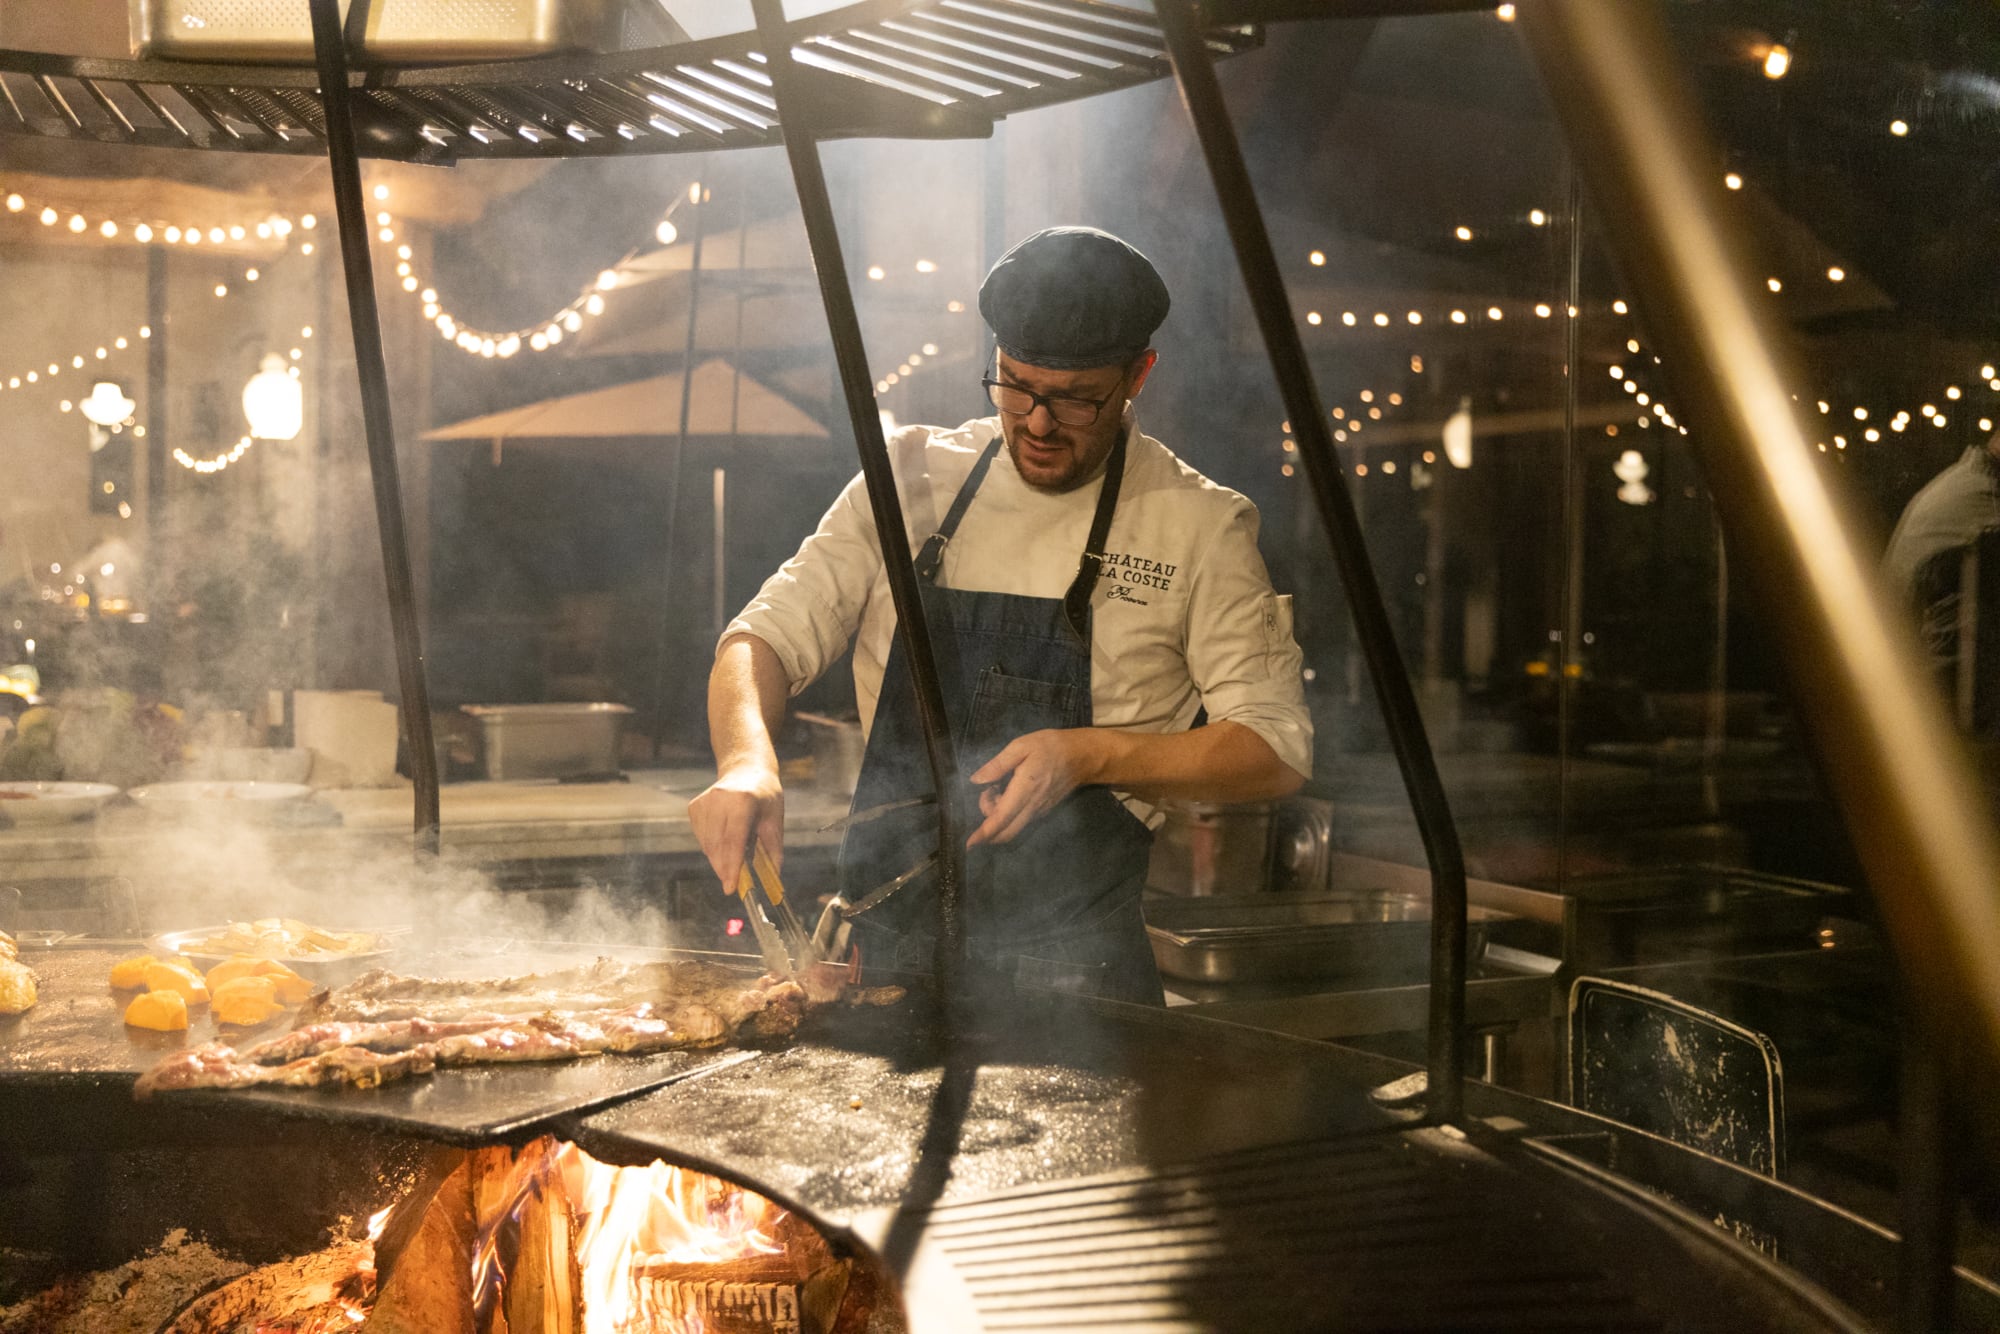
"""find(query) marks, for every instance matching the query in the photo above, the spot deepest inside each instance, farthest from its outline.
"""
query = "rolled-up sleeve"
(809, 610)
(1241, 652)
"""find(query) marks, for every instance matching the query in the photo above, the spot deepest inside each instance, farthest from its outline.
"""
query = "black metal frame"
(351, 214)
(1194, 70)
(857, 386)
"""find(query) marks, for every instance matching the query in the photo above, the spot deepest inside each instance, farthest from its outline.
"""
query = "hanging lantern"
(107, 404)
(273, 401)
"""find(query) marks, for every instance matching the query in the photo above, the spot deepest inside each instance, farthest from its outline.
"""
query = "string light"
(216, 464)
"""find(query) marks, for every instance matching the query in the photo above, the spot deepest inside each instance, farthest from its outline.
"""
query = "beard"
(1065, 459)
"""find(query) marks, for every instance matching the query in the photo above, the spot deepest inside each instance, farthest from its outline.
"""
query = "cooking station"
(1202, 1170)
(972, 1156)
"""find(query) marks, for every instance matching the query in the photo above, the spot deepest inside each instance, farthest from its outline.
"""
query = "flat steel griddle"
(75, 1043)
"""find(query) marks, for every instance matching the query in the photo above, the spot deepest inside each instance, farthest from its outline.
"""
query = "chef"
(1091, 599)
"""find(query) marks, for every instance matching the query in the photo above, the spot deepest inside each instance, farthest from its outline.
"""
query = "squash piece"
(292, 989)
(165, 1011)
(129, 973)
(176, 977)
(17, 987)
(247, 1001)
(239, 965)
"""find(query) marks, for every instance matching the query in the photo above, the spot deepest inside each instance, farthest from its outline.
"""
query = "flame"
(627, 1219)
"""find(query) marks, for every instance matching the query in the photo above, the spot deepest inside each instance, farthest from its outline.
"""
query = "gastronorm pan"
(1375, 936)
(402, 31)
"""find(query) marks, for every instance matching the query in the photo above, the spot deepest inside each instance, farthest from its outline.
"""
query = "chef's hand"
(1029, 777)
(724, 816)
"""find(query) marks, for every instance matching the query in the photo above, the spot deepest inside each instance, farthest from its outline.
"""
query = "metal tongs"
(781, 938)
(831, 934)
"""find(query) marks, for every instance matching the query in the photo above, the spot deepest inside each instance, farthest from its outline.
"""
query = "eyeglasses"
(1012, 398)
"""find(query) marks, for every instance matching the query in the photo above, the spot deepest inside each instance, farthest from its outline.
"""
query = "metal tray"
(320, 967)
(403, 31)
(1369, 935)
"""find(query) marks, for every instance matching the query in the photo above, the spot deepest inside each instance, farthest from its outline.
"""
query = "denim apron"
(1058, 906)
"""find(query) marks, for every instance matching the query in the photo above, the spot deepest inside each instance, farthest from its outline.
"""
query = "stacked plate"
(29, 803)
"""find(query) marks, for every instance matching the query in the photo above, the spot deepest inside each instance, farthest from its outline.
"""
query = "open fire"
(543, 1239)
(547, 1240)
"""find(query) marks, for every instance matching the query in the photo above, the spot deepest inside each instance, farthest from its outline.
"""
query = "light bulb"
(1777, 61)
(666, 233)
(142, 233)
(107, 229)
(273, 402)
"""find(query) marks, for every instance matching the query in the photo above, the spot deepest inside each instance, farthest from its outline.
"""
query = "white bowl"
(219, 799)
(25, 803)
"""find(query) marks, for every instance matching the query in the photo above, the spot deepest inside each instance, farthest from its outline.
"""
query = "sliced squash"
(183, 978)
(292, 989)
(165, 1011)
(238, 965)
(246, 1001)
(129, 973)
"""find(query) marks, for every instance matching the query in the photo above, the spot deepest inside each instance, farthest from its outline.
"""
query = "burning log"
(424, 1269)
(544, 1288)
(762, 1295)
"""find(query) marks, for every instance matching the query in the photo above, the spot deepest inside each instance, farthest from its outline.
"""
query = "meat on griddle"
(383, 1026)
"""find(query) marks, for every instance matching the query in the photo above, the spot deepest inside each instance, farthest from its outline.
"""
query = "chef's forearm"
(747, 690)
(1223, 761)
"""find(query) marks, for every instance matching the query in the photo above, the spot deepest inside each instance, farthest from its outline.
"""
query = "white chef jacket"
(1184, 616)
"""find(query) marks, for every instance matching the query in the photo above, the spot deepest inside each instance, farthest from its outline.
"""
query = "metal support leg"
(352, 214)
(1194, 70)
(852, 359)
(674, 470)
(1926, 1193)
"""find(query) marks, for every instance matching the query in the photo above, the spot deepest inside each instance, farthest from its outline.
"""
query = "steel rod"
(851, 356)
(1910, 797)
(351, 213)
(1194, 71)
(674, 470)
(1926, 1189)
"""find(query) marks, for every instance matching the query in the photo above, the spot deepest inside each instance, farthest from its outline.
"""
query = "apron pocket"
(1005, 707)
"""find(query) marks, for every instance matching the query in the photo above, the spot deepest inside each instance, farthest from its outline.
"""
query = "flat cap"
(1070, 298)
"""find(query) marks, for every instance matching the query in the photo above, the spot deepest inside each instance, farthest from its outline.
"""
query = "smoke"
(211, 869)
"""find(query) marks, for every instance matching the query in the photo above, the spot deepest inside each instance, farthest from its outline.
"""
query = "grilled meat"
(383, 1026)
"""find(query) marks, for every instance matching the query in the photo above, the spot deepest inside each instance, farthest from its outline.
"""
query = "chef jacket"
(1184, 616)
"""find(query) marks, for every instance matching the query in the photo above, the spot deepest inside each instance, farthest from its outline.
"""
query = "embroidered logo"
(1128, 574)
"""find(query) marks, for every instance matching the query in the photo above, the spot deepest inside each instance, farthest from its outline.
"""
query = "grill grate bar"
(817, 57)
(199, 104)
(754, 95)
(992, 29)
(111, 108)
(944, 90)
(979, 42)
(916, 44)
(53, 96)
(950, 73)
(686, 114)
(1030, 26)
(755, 118)
(159, 110)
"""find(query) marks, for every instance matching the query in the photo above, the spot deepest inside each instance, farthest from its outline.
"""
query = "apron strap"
(1076, 602)
(932, 556)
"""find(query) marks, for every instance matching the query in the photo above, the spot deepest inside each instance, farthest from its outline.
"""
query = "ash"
(138, 1297)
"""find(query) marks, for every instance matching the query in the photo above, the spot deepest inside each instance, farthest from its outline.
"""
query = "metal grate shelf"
(890, 68)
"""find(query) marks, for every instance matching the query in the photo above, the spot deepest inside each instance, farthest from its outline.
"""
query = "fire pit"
(539, 1239)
